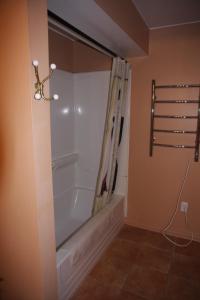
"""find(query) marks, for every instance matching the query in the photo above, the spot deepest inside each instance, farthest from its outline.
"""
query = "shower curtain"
(108, 168)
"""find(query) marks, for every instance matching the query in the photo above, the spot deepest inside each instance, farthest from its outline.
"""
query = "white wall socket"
(184, 206)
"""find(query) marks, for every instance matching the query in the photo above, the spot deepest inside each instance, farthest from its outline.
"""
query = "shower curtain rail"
(154, 101)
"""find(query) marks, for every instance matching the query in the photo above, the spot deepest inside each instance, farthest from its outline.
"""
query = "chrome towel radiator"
(155, 102)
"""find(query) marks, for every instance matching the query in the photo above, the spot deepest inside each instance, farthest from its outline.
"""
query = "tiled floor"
(142, 265)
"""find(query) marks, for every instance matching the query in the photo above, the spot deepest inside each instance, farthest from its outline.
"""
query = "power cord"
(164, 231)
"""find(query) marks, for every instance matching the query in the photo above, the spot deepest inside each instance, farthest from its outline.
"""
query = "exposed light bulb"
(37, 96)
(55, 97)
(53, 66)
(35, 63)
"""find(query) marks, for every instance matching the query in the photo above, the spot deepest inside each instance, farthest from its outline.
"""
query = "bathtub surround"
(77, 124)
(154, 181)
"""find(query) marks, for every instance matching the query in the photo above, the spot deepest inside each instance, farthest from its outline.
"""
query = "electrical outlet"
(184, 206)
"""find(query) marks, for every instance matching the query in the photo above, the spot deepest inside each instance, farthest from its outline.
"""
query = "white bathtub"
(77, 256)
(77, 126)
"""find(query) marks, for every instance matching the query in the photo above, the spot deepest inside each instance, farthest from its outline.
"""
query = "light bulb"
(53, 66)
(37, 96)
(55, 97)
(35, 63)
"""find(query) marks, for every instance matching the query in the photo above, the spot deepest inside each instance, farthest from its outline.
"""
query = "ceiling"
(163, 13)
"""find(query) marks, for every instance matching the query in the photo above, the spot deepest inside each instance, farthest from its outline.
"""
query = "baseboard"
(174, 233)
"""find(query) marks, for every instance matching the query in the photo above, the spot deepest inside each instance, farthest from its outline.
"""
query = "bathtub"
(77, 128)
(77, 256)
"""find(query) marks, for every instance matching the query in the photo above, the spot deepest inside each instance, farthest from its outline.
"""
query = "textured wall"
(154, 181)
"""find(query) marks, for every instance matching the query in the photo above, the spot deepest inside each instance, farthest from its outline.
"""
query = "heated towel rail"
(155, 102)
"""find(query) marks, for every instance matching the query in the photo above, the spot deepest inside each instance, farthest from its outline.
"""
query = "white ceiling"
(162, 13)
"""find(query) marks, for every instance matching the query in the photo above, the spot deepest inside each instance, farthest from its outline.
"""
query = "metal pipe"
(153, 98)
(177, 101)
(175, 131)
(196, 155)
(174, 146)
(175, 117)
(172, 86)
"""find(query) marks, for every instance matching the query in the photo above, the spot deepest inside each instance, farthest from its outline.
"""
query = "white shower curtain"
(112, 134)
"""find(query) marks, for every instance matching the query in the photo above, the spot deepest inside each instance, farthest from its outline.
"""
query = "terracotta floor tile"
(192, 250)
(128, 296)
(87, 288)
(123, 249)
(132, 234)
(107, 273)
(99, 293)
(146, 282)
(157, 240)
(155, 258)
(182, 289)
(142, 265)
(92, 290)
(186, 266)
(124, 265)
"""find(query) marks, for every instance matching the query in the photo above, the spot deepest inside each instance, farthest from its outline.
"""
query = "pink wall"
(60, 51)
(38, 43)
(74, 56)
(154, 181)
(87, 59)
(27, 256)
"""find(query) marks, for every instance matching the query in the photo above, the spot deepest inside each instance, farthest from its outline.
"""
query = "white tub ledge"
(79, 254)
